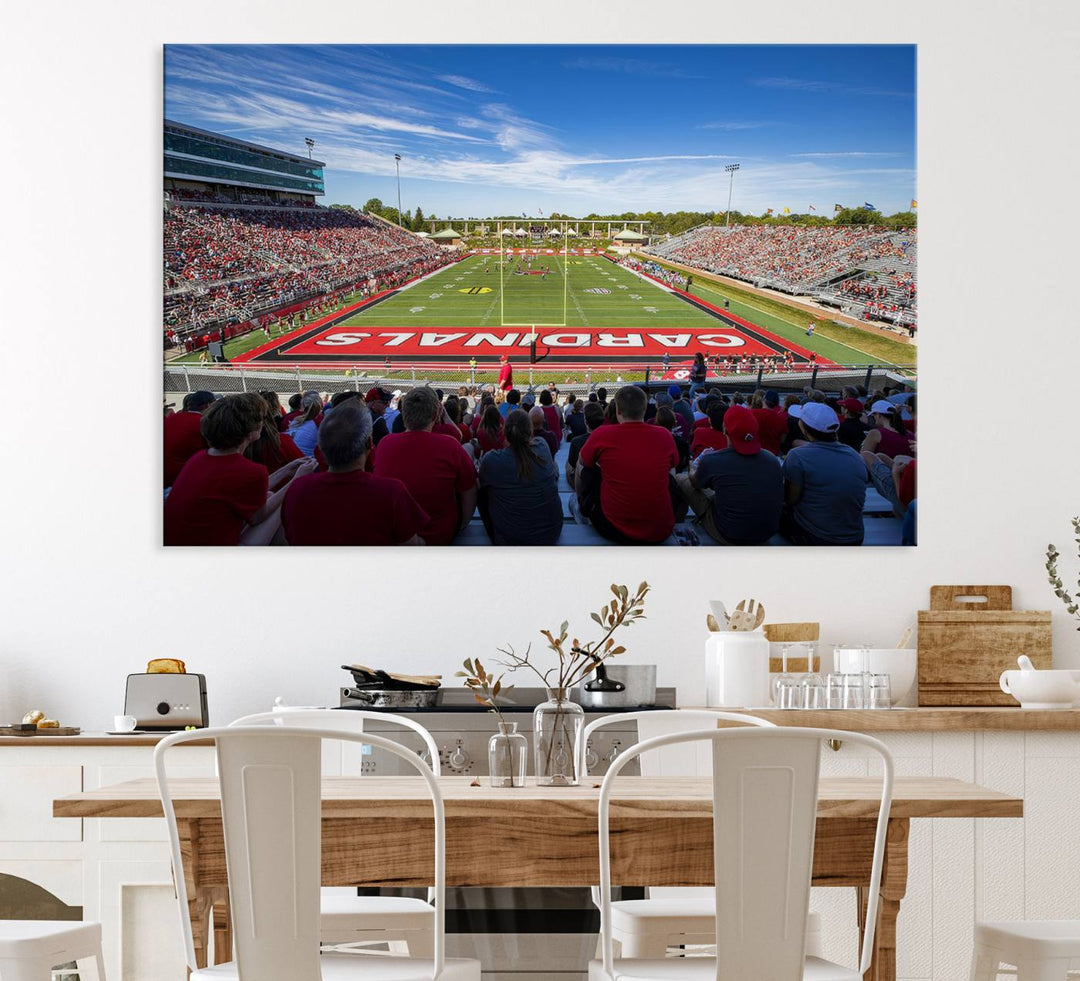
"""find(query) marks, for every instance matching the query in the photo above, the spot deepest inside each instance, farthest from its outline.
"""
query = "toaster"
(165, 702)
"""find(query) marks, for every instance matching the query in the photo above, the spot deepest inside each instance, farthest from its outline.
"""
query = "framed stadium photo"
(503, 294)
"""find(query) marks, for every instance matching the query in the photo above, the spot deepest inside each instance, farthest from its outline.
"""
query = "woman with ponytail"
(519, 497)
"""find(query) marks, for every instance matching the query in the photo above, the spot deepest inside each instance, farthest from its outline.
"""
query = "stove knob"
(614, 752)
(163, 708)
(591, 757)
(458, 758)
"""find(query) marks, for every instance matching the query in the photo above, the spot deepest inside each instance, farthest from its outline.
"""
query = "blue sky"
(487, 129)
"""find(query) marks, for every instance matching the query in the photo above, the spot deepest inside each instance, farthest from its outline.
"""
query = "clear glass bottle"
(557, 725)
(508, 756)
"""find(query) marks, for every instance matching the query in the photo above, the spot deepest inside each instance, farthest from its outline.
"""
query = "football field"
(580, 309)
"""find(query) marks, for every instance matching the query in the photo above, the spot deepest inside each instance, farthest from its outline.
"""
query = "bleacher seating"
(224, 266)
(881, 527)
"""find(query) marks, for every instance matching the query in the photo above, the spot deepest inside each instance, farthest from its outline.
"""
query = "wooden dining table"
(377, 832)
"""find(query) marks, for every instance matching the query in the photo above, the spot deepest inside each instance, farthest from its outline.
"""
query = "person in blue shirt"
(824, 484)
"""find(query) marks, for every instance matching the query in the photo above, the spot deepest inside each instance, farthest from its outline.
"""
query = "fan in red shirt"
(711, 436)
(506, 374)
(624, 479)
(348, 506)
(220, 497)
(183, 436)
(435, 469)
(772, 423)
(489, 434)
(553, 417)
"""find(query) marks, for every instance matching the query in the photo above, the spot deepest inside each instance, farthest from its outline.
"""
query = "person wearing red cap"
(737, 492)
(852, 429)
(506, 374)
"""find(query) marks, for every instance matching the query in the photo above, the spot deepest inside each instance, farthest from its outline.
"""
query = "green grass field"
(475, 293)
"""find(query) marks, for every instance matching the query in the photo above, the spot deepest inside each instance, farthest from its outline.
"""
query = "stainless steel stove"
(528, 934)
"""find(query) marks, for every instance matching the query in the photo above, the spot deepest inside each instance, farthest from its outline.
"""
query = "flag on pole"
(768, 211)
(837, 207)
(868, 206)
(541, 210)
(914, 203)
(812, 208)
(787, 211)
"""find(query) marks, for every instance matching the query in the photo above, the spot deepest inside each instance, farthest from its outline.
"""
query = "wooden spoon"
(748, 615)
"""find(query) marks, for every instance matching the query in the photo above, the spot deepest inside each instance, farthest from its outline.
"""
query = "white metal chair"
(271, 810)
(30, 949)
(677, 916)
(1041, 950)
(765, 790)
(346, 917)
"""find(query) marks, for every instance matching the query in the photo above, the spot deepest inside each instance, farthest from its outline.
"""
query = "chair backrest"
(765, 790)
(271, 809)
(671, 761)
(347, 720)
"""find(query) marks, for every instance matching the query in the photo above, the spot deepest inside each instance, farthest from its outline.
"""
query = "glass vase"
(508, 755)
(557, 725)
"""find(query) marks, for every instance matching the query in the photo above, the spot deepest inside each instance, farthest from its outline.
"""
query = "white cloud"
(462, 82)
(846, 153)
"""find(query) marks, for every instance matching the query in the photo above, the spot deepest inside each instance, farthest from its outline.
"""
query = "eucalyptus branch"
(577, 660)
(1070, 601)
(485, 687)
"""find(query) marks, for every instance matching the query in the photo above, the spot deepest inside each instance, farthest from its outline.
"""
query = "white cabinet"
(26, 804)
(117, 870)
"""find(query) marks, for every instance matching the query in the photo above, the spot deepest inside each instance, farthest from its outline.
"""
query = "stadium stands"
(881, 510)
(866, 270)
(228, 265)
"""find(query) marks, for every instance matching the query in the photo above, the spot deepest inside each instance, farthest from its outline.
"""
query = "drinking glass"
(879, 694)
(834, 690)
(853, 691)
(788, 693)
(813, 691)
(785, 676)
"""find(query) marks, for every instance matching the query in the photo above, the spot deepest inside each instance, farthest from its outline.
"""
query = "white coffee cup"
(124, 723)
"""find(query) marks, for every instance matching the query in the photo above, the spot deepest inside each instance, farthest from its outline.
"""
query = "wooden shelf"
(924, 719)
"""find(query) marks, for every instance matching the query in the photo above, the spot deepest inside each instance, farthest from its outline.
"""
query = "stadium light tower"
(310, 145)
(397, 168)
(730, 169)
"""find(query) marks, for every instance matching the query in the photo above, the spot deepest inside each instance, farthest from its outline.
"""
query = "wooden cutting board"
(964, 646)
(61, 731)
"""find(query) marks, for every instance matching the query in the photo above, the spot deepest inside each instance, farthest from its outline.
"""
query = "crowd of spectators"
(794, 258)
(225, 265)
(386, 467)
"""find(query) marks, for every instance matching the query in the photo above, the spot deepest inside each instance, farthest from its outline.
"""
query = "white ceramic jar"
(737, 669)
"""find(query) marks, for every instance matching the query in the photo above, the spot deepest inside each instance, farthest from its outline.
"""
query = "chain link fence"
(223, 379)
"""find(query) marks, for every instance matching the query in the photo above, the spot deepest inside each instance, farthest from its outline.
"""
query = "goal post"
(527, 296)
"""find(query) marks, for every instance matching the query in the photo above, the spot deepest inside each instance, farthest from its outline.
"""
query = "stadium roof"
(446, 234)
(296, 158)
(628, 235)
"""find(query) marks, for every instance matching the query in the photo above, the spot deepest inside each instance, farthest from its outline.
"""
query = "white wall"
(86, 593)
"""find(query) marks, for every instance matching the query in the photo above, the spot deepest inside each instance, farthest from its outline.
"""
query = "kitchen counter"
(923, 719)
(88, 739)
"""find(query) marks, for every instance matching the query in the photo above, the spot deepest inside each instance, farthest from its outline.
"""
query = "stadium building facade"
(201, 164)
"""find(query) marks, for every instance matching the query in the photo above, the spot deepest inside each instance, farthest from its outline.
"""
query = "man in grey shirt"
(824, 484)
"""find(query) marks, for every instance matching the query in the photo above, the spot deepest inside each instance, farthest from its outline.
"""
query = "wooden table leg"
(200, 899)
(222, 921)
(893, 889)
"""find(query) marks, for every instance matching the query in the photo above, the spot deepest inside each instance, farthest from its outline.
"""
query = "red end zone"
(469, 342)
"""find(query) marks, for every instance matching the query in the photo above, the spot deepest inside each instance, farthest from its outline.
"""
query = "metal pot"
(385, 698)
(619, 686)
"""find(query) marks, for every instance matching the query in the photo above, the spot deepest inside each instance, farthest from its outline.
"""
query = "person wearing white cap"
(889, 435)
(824, 484)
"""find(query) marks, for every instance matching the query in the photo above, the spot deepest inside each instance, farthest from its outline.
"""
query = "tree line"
(664, 222)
